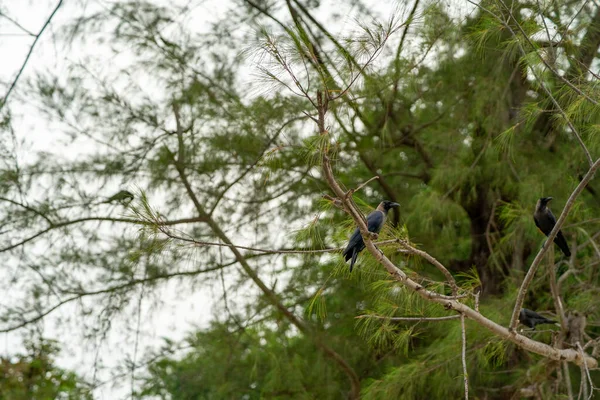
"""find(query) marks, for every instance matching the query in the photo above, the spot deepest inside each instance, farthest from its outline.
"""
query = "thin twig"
(17, 24)
(568, 383)
(362, 185)
(554, 289)
(107, 219)
(464, 355)
(137, 334)
(587, 371)
(202, 243)
(433, 261)
(408, 319)
(37, 37)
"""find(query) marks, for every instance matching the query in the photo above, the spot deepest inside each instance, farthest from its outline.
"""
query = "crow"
(545, 221)
(375, 222)
(531, 318)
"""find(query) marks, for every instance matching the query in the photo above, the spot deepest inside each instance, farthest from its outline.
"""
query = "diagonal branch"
(434, 262)
(17, 24)
(37, 37)
(549, 242)
(464, 355)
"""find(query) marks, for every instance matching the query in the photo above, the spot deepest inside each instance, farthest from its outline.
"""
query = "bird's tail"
(562, 244)
(347, 253)
(354, 256)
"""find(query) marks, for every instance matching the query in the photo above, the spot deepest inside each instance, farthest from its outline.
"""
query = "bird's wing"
(355, 241)
(545, 221)
(375, 221)
(551, 216)
(536, 222)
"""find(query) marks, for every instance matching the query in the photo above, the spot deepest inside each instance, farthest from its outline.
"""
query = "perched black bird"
(531, 318)
(375, 222)
(545, 221)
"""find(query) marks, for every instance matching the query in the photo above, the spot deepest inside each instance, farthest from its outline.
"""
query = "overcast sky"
(180, 312)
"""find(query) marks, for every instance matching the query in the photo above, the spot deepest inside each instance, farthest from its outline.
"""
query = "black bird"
(531, 318)
(545, 221)
(375, 222)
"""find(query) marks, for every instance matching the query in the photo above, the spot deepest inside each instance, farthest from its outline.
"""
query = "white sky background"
(181, 311)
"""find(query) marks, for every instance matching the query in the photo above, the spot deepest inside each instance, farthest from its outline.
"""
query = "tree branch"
(434, 262)
(109, 219)
(409, 319)
(464, 355)
(81, 294)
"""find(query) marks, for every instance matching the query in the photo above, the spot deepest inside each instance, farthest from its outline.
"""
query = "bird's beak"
(548, 199)
(394, 205)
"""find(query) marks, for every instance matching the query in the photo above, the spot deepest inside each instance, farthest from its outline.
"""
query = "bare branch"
(84, 293)
(202, 243)
(409, 319)
(587, 372)
(17, 24)
(434, 262)
(464, 355)
(108, 219)
(362, 185)
(29, 208)
(568, 383)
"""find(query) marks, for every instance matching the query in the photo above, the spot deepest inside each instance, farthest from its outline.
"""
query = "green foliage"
(34, 375)
(451, 111)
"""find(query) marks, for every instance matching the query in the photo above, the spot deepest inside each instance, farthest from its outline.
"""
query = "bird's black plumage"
(375, 221)
(531, 318)
(545, 221)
